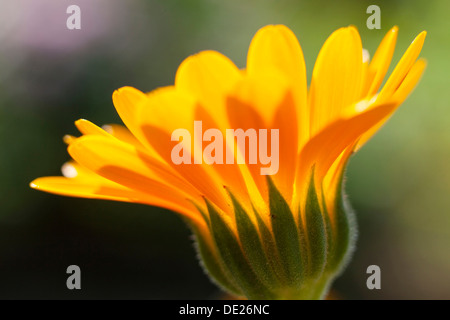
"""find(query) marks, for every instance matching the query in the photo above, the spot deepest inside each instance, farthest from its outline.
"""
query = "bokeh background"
(399, 183)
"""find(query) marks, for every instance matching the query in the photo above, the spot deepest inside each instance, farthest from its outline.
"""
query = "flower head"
(285, 233)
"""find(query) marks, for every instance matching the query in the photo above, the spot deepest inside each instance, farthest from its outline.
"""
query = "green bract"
(293, 261)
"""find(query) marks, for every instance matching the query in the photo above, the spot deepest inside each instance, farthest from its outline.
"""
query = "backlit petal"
(276, 46)
(208, 76)
(402, 68)
(379, 65)
(337, 77)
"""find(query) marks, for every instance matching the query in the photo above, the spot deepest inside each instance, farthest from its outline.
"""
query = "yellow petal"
(402, 68)
(333, 178)
(127, 101)
(337, 77)
(122, 133)
(288, 145)
(275, 46)
(68, 139)
(129, 166)
(402, 92)
(106, 190)
(86, 127)
(379, 65)
(263, 90)
(228, 175)
(410, 81)
(323, 149)
(208, 76)
(244, 115)
(263, 100)
(166, 110)
(75, 188)
(116, 131)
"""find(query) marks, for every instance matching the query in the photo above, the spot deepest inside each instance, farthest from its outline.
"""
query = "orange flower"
(286, 235)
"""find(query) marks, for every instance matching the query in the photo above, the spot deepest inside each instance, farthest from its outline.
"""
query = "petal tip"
(126, 90)
(80, 122)
(273, 30)
(33, 184)
(352, 28)
(420, 37)
(68, 139)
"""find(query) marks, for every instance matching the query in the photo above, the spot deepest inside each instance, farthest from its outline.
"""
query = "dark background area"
(399, 183)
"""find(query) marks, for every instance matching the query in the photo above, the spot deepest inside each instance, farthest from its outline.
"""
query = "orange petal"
(263, 101)
(225, 174)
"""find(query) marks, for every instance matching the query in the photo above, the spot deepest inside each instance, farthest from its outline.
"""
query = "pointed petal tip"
(86, 127)
(80, 122)
(392, 34)
(420, 38)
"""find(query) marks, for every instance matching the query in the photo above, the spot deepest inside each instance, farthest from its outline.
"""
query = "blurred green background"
(399, 183)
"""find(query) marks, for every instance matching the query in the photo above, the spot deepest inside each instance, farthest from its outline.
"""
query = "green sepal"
(210, 262)
(286, 236)
(329, 235)
(271, 251)
(315, 232)
(251, 245)
(283, 260)
(345, 232)
(234, 259)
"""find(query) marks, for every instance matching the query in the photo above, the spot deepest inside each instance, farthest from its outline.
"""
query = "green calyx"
(296, 257)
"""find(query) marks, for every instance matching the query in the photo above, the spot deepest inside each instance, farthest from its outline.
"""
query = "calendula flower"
(267, 226)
